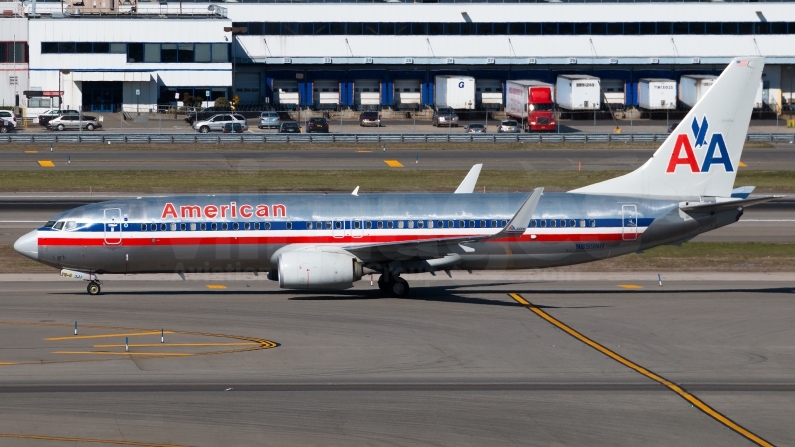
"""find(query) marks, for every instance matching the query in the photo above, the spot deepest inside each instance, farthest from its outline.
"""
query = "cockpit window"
(58, 225)
(70, 225)
(49, 224)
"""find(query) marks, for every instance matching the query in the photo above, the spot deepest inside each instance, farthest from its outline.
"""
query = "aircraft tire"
(398, 288)
(93, 288)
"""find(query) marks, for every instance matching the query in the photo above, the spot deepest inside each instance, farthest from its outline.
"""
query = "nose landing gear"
(93, 288)
(396, 286)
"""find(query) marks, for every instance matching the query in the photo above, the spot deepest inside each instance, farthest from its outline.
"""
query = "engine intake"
(318, 270)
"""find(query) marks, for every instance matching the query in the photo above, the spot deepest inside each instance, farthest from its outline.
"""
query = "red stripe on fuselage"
(347, 240)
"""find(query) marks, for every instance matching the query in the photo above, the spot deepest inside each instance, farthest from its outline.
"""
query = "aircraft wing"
(723, 204)
(440, 247)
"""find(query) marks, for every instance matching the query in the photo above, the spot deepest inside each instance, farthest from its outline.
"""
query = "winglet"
(355, 191)
(468, 185)
(742, 192)
(518, 224)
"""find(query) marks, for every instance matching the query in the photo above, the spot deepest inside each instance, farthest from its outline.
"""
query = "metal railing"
(105, 138)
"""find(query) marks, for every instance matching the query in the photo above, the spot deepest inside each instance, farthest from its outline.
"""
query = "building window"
(135, 52)
(168, 52)
(84, 47)
(46, 47)
(220, 52)
(101, 47)
(118, 48)
(151, 52)
(66, 47)
(202, 52)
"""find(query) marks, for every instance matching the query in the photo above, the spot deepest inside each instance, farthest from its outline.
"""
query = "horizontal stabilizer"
(723, 204)
(742, 192)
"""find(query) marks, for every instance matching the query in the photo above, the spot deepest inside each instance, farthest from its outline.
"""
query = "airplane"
(329, 241)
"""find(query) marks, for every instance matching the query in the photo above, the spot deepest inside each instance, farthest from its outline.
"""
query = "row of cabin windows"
(336, 225)
(514, 28)
(146, 52)
(553, 223)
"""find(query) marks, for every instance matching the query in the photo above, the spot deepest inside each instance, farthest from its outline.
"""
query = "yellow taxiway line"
(77, 337)
(630, 286)
(85, 440)
(155, 354)
(46, 164)
(153, 345)
(695, 401)
(216, 286)
(393, 163)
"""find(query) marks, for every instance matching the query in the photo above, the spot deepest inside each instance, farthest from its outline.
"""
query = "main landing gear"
(395, 287)
(93, 288)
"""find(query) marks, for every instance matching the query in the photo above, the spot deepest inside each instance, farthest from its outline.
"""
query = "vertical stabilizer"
(700, 157)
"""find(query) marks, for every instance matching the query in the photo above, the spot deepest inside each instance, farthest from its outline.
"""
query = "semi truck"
(530, 103)
(456, 92)
(657, 94)
(578, 92)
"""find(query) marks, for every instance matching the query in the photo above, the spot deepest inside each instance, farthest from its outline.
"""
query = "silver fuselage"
(245, 232)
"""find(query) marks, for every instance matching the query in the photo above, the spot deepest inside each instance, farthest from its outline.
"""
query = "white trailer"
(693, 87)
(657, 94)
(613, 92)
(285, 93)
(578, 92)
(457, 92)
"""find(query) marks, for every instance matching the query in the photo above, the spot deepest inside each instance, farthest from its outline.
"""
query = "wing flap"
(724, 204)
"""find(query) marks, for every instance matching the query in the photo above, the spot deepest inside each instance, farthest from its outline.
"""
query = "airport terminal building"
(108, 55)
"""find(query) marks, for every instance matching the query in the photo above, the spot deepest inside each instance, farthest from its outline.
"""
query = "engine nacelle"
(317, 270)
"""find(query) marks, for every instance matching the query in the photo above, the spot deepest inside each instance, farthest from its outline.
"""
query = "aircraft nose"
(28, 245)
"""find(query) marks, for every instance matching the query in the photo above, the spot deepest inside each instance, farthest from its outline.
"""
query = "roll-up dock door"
(408, 94)
(366, 94)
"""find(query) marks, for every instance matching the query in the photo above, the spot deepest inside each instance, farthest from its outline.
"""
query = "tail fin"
(701, 156)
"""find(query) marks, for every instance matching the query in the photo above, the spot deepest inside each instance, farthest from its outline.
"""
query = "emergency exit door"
(629, 222)
(113, 235)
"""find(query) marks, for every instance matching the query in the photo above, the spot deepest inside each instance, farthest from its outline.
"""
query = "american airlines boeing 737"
(314, 241)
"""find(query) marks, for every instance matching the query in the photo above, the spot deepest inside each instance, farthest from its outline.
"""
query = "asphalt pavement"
(458, 363)
(90, 157)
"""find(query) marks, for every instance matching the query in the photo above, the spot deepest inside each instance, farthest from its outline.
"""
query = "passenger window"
(420, 224)
(493, 224)
(389, 224)
(368, 225)
(430, 223)
(267, 225)
(328, 225)
(582, 223)
(482, 224)
(338, 225)
(380, 225)
(593, 223)
(58, 225)
(400, 224)
(357, 224)
(471, 224)
(309, 225)
(182, 227)
(193, 227)
(411, 224)
(553, 223)
(173, 227)
(451, 224)
(289, 225)
(543, 223)
(203, 226)
(533, 223)
(319, 225)
(235, 226)
(214, 226)
(224, 226)
(162, 227)
(572, 223)
(247, 225)
(143, 227)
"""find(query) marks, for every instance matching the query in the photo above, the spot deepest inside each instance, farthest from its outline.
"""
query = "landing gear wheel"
(93, 288)
(398, 288)
(383, 285)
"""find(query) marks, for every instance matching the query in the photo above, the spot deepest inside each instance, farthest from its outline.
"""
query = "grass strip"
(381, 180)
(692, 256)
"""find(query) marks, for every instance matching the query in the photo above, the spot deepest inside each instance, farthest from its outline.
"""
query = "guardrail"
(104, 138)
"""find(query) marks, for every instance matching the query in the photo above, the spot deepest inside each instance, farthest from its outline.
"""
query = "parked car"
(475, 128)
(234, 127)
(51, 114)
(444, 116)
(370, 119)
(509, 126)
(9, 116)
(289, 127)
(6, 126)
(317, 125)
(72, 122)
(217, 122)
(269, 119)
(205, 114)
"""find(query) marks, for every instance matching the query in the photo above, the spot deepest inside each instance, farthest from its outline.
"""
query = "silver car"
(72, 122)
(509, 126)
(269, 119)
(216, 122)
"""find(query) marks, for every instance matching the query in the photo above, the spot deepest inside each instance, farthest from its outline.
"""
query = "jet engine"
(318, 270)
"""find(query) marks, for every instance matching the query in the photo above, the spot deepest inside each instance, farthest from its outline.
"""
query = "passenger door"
(629, 222)
(113, 233)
